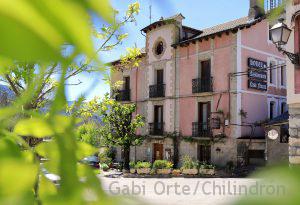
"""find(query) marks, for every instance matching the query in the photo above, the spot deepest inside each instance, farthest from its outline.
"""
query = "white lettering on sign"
(253, 63)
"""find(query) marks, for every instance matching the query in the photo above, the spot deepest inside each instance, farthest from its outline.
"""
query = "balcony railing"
(123, 95)
(202, 130)
(201, 85)
(156, 128)
(157, 91)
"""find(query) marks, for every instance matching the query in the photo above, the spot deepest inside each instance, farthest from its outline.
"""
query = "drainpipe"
(229, 96)
(136, 93)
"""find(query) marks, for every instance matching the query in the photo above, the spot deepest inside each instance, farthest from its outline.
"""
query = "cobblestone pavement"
(183, 191)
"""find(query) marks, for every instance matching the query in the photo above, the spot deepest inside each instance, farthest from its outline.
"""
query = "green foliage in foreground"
(35, 32)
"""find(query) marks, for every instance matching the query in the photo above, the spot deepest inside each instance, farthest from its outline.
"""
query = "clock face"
(273, 134)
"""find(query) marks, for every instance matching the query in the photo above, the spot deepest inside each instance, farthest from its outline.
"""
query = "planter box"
(176, 173)
(207, 171)
(143, 171)
(190, 171)
(164, 171)
(132, 171)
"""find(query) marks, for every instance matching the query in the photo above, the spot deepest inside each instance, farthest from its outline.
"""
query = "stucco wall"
(276, 152)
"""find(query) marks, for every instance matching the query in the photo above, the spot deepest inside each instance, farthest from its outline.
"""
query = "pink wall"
(187, 70)
(187, 107)
(222, 61)
(257, 37)
(256, 107)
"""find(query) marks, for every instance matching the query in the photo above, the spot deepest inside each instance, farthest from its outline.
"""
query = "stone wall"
(294, 121)
(276, 152)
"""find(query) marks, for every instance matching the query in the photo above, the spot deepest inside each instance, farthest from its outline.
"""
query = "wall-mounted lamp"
(280, 34)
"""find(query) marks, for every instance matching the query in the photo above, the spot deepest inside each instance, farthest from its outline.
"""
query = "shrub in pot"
(104, 157)
(207, 169)
(189, 166)
(163, 166)
(132, 167)
(143, 167)
(104, 167)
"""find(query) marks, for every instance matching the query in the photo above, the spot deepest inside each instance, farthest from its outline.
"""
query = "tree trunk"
(126, 157)
(176, 151)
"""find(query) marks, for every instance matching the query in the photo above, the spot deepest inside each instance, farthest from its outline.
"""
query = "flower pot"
(176, 172)
(132, 171)
(143, 170)
(207, 171)
(163, 171)
(190, 171)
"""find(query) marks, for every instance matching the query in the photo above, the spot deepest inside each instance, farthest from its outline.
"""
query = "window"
(159, 48)
(283, 107)
(158, 119)
(204, 114)
(272, 109)
(158, 114)
(272, 73)
(204, 153)
(126, 83)
(282, 76)
(159, 77)
(205, 70)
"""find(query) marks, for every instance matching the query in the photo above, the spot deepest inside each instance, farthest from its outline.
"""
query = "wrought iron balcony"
(157, 91)
(202, 130)
(123, 95)
(156, 128)
(201, 85)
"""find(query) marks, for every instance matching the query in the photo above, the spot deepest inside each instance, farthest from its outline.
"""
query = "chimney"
(256, 9)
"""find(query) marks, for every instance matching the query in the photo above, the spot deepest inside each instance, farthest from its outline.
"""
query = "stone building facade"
(293, 76)
(204, 92)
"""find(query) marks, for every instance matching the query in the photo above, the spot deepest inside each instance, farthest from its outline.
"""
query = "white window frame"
(273, 60)
(279, 75)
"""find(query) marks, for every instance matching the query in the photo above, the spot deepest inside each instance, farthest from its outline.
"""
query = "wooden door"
(158, 151)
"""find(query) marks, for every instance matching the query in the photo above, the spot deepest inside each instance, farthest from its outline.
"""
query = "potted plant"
(189, 167)
(163, 167)
(207, 169)
(104, 167)
(143, 167)
(132, 167)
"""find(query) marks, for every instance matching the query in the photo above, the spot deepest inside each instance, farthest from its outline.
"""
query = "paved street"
(181, 191)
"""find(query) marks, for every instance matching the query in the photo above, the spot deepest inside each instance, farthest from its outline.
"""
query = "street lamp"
(280, 34)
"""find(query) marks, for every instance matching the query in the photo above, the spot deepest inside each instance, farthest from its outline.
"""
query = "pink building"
(204, 93)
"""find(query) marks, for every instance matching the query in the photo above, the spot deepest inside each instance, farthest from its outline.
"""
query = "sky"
(198, 14)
